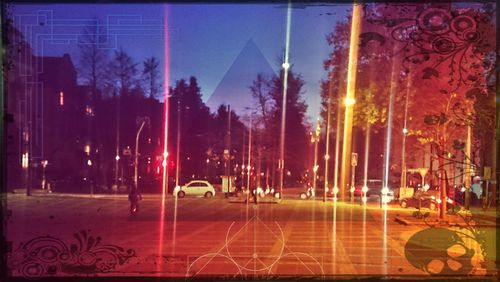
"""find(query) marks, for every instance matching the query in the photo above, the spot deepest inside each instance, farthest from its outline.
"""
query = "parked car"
(195, 188)
(426, 199)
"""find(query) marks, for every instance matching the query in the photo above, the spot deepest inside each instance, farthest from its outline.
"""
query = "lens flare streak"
(166, 83)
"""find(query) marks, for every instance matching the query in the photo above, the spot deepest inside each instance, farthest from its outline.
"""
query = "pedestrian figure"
(254, 194)
(134, 196)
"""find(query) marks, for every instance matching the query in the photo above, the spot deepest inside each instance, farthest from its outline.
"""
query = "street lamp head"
(285, 65)
(364, 189)
(349, 102)
(405, 131)
(117, 158)
(335, 190)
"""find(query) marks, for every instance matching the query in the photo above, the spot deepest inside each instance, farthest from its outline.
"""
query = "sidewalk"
(478, 217)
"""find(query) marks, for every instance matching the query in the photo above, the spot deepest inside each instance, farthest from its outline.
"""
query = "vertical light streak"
(337, 152)
(405, 131)
(468, 162)
(286, 66)
(316, 142)
(367, 155)
(363, 248)
(387, 155)
(350, 96)
(117, 157)
(327, 149)
(249, 166)
(385, 263)
(166, 83)
(178, 157)
(174, 230)
(334, 232)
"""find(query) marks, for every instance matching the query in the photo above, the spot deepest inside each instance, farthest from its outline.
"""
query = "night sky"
(204, 39)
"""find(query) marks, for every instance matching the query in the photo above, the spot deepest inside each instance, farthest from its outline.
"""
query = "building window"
(89, 111)
(61, 98)
(87, 149)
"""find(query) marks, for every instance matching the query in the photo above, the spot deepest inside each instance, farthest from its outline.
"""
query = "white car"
(195, 188)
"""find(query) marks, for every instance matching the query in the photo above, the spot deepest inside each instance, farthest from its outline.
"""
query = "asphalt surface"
(225, 237)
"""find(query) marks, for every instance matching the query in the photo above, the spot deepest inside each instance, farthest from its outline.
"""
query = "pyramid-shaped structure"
(234, 88)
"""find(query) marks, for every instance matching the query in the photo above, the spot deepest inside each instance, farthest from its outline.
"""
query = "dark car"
(426, 199)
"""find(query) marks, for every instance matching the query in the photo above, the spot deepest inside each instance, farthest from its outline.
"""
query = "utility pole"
(117, 157)
(337, 152)
(229, 143)
(286, 67)
(350, 98)
(327, 150)
(468, 166)
(178, 153)
(249, 153)
(136, 161)
(405, 132)
(316, 141)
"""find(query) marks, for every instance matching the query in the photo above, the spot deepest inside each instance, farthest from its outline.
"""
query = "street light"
(249, 149)
(177, 168)
(286, 66)
(136, 167)
(350, 94)
(315, 140)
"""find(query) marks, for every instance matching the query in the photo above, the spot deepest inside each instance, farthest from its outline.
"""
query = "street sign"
(487, 173)
(354, 159)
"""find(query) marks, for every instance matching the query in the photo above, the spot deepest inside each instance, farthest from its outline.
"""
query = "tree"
(449, 52)
(93, 58)
(195, 119)
(370, 108)
(296, 138)
(92, 62)
(150, 73)
(122, 72)
(265, 146)
(219, 128)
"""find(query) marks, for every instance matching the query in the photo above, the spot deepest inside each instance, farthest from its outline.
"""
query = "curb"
(448, 223)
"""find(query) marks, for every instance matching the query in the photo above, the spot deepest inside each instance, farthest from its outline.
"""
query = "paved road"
(195, 237)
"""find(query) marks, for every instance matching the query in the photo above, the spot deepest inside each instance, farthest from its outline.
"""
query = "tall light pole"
(350, 98)
(117, 157)
(229, 143)
(388, 137)
(405, 132)
(249, 152)
(327, 141)
(286, 66)
(337, 151)
(315, 140)
(178, 151)
(468, 162)
(136, 161)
